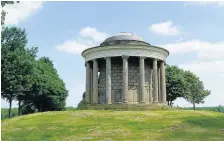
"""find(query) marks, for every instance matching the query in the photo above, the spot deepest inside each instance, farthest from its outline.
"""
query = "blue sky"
(192, 32)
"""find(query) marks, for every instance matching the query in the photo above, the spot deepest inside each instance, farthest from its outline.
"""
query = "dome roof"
(123, 38)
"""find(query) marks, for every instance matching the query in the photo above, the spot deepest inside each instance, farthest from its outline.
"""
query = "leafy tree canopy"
(185, 84)
(195, 89)
(175, 83)
(33, 83)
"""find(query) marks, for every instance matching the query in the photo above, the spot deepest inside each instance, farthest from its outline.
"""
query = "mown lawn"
(161, 125)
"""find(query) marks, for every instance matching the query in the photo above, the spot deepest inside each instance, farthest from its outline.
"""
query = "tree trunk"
(194, 105)
(19, 108)
(10, 106)
(40, 107)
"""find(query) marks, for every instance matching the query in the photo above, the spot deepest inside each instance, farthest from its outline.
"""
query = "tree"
(35, 84)
(175, 83)
(3, 13)
(17, 65)
(13, 41)
(55, 96)
(48, 90)
(195, 89)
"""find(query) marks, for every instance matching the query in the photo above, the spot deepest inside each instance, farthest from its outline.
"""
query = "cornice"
(129, 50)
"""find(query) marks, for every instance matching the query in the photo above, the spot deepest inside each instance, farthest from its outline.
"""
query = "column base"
(125, 101)
(129, 106)
(142, 102)
(164, 102)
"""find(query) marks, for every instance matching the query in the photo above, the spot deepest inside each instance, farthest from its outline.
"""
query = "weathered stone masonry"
(117, 82)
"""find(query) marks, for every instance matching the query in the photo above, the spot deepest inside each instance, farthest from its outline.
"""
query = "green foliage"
(48, 90)
(17, 64)
(35, 84)
(170, 125)
(175, 83)
(195, 92)
(180, 83)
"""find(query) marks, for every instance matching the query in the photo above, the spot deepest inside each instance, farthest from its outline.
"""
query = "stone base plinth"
(123, 106)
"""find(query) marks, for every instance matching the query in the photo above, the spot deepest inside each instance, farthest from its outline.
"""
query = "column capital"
(95, 59)
(125, 56)
(142, 57)
(86, 62)
(163, 61)
(107, 58)
(154, 59)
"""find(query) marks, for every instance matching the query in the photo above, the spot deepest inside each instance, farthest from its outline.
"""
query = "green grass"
(5, 113)
(108, 125)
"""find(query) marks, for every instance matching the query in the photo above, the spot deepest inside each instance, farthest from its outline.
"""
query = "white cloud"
(205, 3)
(73, 46)
(93, 33)
(204, 67)
(204, 49)
(165, 29)
(76, 46)
(210, 56)
(20, 11)
(208, 66)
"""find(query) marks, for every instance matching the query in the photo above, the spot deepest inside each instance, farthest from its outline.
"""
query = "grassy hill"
(160, 125)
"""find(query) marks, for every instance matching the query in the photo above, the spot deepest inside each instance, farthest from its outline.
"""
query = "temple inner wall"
(117, 80)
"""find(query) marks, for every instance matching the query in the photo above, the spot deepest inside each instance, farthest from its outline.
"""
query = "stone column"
(95, 81)
(158, 76)
(142, 79)
(163, 82)
(91, 85)
(108, 80)
(150, 85)
(125, 79)
(87, 94)
(155, 82)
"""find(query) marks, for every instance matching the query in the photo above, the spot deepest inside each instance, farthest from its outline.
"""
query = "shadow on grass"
(197, 129)
(206, 122)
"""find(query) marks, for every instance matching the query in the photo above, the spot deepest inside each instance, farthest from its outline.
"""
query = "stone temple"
(124, 69)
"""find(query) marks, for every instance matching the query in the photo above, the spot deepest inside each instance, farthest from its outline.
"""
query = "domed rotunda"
(125, 69)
